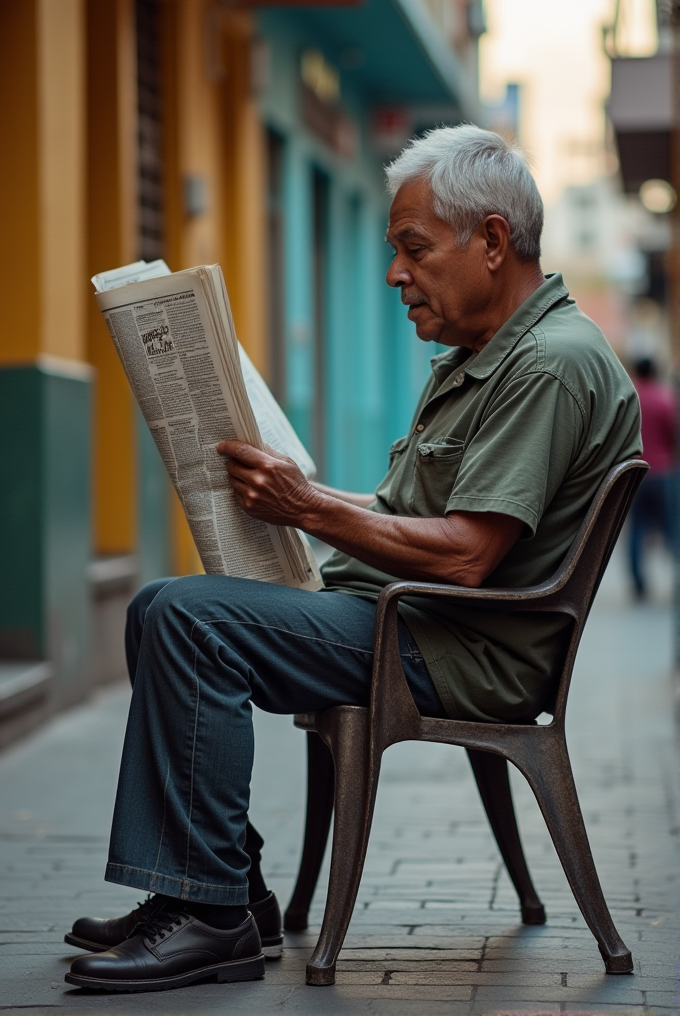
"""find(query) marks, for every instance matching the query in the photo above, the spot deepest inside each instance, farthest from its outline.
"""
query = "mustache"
(412, 300)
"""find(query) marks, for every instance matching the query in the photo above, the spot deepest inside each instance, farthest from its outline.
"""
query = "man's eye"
(415, 250)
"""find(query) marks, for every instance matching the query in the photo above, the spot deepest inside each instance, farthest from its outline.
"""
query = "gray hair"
(474, 173)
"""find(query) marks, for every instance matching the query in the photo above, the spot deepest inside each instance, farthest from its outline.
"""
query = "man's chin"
(427, 328)
(426, 334)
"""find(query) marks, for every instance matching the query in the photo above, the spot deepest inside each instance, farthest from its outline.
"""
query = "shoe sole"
(272, 948)
(83, 943)
(251, 969)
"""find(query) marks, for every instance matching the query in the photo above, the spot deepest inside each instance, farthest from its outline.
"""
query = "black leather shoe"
(171, 950)
(268, 920)
(97, 934)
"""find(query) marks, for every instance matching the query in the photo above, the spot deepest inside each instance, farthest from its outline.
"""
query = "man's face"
(446, 287)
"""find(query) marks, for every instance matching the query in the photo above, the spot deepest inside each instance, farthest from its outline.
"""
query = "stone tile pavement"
(436, 928)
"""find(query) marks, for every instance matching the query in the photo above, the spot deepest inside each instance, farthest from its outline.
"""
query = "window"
(150, 217)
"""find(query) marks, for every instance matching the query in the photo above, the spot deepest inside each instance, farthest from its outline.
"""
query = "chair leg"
(546, 765)
(320, 789)
(347, 733)
(493, 783)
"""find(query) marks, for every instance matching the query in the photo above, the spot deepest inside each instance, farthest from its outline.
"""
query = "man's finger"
(239, 470)
(242, 451)
(239, 488)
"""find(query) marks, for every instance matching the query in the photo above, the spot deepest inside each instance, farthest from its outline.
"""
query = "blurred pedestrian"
(652, 511)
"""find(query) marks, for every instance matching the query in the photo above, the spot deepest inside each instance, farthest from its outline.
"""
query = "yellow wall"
(42, 177)
(244, 259)
(61, 40)
(212, 130)
(187, 150)
(111, 233)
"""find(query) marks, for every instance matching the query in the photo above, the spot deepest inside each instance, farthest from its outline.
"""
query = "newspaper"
(196, 386)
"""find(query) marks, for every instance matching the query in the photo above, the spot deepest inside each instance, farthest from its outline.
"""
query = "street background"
(253, 133)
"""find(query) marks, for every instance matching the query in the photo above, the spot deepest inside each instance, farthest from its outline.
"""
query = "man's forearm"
(451, 549)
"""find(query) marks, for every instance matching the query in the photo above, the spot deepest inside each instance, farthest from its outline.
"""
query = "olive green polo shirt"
(527, 427)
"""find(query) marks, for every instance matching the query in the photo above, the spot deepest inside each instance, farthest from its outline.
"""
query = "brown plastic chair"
(345, 777)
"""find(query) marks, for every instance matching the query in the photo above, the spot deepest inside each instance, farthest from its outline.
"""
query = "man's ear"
(495, 231)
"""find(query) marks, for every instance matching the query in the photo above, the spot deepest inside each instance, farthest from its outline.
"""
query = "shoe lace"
(148, 906)
(146, 910)
(157, 926)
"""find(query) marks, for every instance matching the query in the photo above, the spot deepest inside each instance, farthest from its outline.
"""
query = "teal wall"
(375, 365)
(45, 427)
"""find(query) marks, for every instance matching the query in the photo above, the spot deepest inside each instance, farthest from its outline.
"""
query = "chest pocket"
(435, 471)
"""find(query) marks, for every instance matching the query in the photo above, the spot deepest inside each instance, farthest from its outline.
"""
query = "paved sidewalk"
(436, 928)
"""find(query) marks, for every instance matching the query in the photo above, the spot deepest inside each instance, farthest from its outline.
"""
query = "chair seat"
(435, 729)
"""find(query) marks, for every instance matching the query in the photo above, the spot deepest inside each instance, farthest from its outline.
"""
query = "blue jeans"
(200, 650)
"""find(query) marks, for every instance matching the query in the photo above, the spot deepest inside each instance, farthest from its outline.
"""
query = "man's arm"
(462, 548)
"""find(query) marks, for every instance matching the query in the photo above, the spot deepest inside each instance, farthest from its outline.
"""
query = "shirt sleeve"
(521, 452)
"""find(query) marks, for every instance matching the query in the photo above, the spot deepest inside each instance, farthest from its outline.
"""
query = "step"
(22, 683)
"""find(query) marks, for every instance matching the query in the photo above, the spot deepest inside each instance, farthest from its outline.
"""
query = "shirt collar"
(508, 335)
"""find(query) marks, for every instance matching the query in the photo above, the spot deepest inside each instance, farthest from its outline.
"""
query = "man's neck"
(518, 285)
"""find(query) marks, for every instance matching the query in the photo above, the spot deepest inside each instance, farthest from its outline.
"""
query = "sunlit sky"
(553, 48)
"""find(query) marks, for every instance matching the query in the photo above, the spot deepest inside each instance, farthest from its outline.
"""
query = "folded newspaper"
(196, 386)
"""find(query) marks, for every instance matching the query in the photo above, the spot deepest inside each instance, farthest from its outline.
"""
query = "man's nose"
(398, 275)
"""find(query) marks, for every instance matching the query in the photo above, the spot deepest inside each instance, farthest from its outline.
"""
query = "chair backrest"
(580, 574)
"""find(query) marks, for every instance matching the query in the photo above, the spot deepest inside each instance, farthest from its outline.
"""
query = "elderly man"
(517, 426)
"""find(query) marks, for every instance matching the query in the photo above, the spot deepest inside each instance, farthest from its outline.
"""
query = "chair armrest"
(394, 715)
(525, 598)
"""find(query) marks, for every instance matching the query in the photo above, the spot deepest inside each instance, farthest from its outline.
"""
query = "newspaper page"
(274, 425)
(175, 338)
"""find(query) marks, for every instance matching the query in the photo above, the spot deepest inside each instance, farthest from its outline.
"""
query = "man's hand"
(268, 486)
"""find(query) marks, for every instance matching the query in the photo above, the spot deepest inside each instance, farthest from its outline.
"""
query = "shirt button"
(420, 427)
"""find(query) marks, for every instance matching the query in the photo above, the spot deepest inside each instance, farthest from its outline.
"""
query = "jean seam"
(193, 748)
(287, 631)
(165, 808)
(297, 635)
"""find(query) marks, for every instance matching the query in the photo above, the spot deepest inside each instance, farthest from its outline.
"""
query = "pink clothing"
(658, 424)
